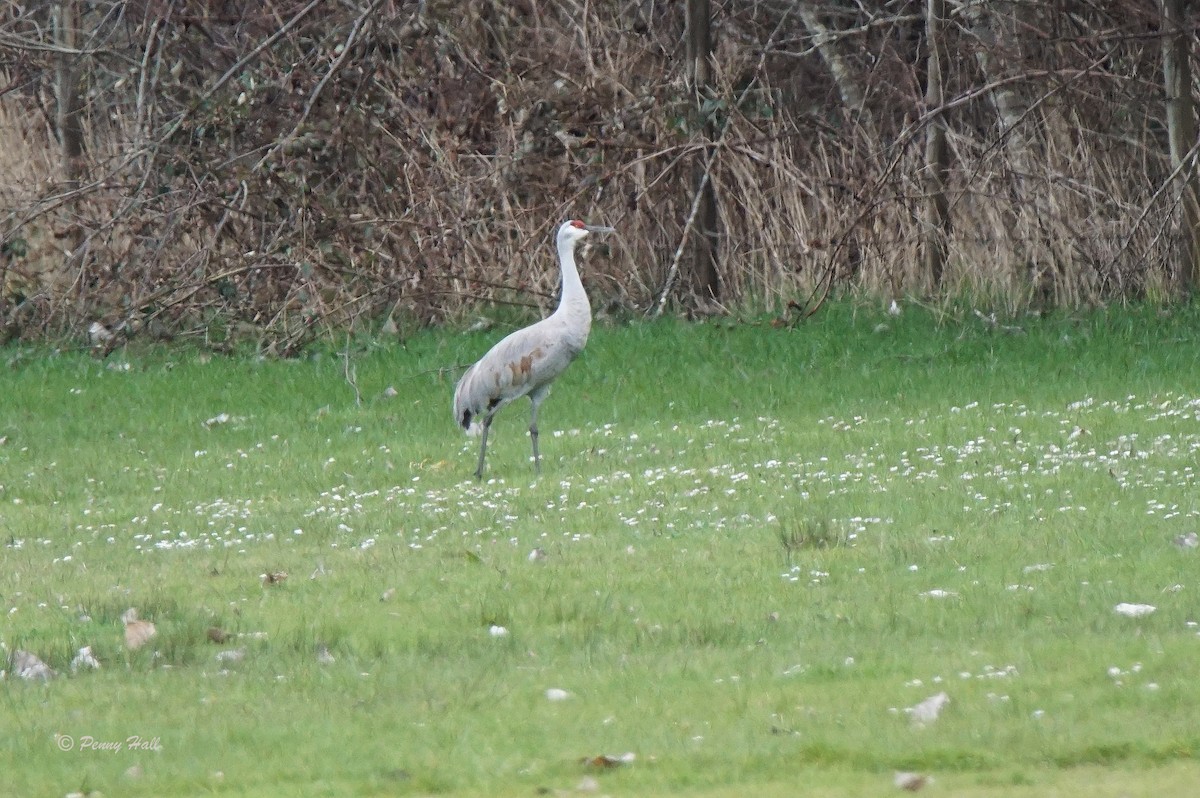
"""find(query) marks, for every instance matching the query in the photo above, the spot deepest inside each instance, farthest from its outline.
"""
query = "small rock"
(928, 710)
(1134, 610)
(26, 665)
(84, 659)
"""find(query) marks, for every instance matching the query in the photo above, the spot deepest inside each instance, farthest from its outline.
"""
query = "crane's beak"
(594, 228)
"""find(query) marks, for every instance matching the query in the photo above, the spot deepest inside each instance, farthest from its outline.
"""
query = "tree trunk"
(705, 276)
(844, 75)
(70, 98)
(937, 154)
(1181, 134)
(996, 25)
(70, 122)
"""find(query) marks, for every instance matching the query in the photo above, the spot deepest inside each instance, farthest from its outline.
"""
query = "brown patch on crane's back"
(521, 368)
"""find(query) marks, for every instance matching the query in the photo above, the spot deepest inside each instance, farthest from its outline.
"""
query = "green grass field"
(751, 552)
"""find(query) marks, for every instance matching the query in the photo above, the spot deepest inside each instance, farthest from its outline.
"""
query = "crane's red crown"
(578, 223)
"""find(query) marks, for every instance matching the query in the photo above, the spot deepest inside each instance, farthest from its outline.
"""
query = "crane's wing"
(519, 364)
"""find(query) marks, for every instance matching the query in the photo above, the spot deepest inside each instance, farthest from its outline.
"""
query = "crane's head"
(575, 230)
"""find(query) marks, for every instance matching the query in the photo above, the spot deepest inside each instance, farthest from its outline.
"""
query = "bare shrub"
(294, 167)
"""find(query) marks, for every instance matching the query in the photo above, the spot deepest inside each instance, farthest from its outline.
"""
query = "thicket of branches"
(286, 167)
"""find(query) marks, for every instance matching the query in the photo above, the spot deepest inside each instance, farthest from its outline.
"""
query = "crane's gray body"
(526, 362)
(523, 364)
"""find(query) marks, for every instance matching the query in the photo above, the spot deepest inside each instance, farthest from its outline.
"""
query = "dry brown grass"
(300, 171)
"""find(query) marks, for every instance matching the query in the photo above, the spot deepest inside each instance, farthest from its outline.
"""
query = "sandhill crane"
(527, 361)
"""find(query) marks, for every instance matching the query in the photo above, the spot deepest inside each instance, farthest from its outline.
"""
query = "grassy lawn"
(750, 554)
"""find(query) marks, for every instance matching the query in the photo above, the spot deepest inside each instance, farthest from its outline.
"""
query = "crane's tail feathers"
(466, 419)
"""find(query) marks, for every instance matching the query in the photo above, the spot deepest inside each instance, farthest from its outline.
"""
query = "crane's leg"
(487, 423)
(535, 399)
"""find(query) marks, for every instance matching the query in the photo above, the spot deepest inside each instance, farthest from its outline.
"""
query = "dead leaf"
(137, 632)
(910, 781)
(217, 635)
(99, 334)
(273, 578)
(608, 762)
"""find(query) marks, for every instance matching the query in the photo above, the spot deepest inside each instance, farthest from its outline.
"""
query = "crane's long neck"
(574, 300)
